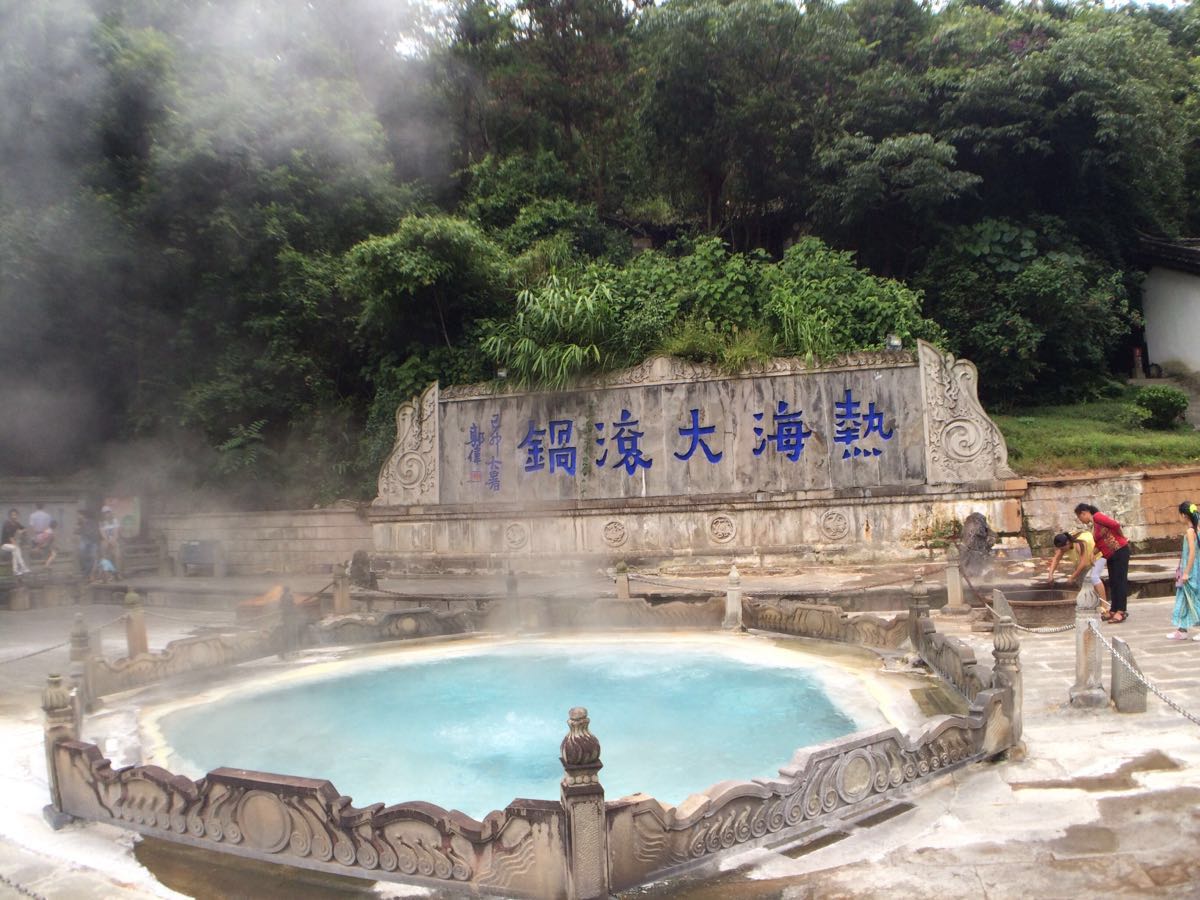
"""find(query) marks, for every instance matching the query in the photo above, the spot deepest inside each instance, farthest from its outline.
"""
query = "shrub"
(559, 332)
(1134, 416)
(1165, 405)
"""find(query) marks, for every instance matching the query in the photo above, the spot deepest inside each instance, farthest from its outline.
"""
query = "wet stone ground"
(1103, 804)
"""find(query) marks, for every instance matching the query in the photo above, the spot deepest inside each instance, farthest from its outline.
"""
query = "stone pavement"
(1103, 803)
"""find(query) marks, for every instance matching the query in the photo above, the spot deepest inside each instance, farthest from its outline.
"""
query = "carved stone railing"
(577, 846)
(195, 654)
(391, 626)
(306, 822)
(836, 781)
(99, 676)
(829, 623)
(951, 658)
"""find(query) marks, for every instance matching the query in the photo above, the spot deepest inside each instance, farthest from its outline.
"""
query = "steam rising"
(98, 98)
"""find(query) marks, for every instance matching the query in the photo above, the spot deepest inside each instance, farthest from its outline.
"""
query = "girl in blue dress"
(1187, 578)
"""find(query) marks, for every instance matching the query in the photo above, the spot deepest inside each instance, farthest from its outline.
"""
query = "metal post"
(1087, 690)
(287, 623)
(582, 798)
(135, 626)
(1128, 693)
(733, 601)
(342, 604)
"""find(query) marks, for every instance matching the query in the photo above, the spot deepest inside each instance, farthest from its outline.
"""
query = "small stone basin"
(1043, 607)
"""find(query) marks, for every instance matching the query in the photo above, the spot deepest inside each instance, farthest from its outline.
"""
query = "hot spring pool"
(477, 726)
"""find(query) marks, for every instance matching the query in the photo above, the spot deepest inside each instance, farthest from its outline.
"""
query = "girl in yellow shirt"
(1081, 548)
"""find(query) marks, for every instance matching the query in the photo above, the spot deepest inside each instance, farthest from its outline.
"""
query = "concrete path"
(1103, 803)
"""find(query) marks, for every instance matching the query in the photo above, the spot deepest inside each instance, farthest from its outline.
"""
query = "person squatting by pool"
(1114, 547)
(1187, 577)
(1081, 547)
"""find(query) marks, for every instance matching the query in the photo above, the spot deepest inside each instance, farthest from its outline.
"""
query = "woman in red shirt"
(1114, 547)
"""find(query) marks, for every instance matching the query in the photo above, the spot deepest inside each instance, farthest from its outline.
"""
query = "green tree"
(887, 193)
(1027, 304)
(427, 281)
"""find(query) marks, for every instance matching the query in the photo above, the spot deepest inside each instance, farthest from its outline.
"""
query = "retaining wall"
(1145, 503)
(279, 541)
(284, 541)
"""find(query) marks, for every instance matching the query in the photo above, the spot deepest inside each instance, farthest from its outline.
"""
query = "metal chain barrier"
(237, 622)
(1058, 629)
(20, 888)
(4, 662)
(94, 630)
(154, 614)
(1142, 678)
(681, 584)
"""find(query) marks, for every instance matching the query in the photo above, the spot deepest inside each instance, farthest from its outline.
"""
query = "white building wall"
(1171, 301)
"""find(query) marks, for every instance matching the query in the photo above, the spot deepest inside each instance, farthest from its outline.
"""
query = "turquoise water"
(472, 732)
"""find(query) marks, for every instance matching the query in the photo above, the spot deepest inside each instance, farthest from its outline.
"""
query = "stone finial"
(920, 595)
(735, 577)
(582, 798)
(580, 756)
(1004, 640)
(1086, 600)
(133, 598)
(580, 747)
(55, 696)
(81, 641)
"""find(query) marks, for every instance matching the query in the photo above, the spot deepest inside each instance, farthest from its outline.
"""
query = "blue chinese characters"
(851, 426)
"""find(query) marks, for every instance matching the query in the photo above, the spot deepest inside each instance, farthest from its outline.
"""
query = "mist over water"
(476, 731)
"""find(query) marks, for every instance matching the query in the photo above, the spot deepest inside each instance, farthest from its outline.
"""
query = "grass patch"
(1050, 440)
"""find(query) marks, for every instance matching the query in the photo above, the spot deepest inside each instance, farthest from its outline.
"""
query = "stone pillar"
(288, 623)
(622, 581)
(956, 604)
(583, 802)
(342, 604)
(81, 641)
(20, 598)
(918, 609)
(1006, 651)
(733, 601)
(135, 626)
(1087, 690)
(1127, 692)
(59, 725)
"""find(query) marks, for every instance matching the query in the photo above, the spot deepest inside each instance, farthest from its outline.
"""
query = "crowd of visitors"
(37, 543)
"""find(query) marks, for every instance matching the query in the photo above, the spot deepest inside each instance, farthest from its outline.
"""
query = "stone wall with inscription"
(672, 458)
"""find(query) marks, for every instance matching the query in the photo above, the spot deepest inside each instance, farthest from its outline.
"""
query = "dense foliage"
(238, 233)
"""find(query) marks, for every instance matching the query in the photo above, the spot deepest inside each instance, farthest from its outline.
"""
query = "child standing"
(1187, 578)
